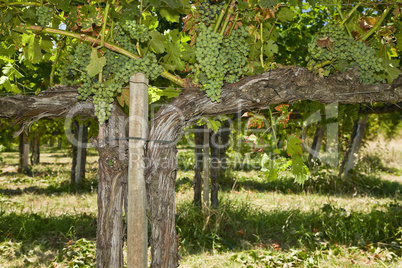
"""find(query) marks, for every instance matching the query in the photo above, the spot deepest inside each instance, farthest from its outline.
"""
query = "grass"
(45, 222)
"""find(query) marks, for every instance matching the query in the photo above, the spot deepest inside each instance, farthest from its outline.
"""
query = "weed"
(81, 253)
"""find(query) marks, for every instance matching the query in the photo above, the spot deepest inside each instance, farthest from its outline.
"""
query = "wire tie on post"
(140, 139)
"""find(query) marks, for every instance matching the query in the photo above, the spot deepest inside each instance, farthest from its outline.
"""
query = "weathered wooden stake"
(206, 166)
(137, 228)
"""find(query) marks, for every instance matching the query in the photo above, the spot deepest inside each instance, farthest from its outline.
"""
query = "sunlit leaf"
(96, 64)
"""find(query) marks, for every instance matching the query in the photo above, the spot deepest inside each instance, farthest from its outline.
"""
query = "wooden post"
(78, 179)
(137, 224)
(206, 166)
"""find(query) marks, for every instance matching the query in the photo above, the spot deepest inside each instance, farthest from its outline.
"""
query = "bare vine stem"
(171, 77)
(376, 26)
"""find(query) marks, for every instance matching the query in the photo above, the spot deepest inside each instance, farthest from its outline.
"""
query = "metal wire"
(140, 139)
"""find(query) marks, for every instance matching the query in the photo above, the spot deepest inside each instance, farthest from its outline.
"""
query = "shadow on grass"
(238, 226)
(88, 186)
(325, 184)
(38, 236)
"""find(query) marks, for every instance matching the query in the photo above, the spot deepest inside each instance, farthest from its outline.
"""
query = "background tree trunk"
(77, 176)
(214, 144)
(355, 141)
(59, 143)
(51, 142)
(24, 155)
(199, 143)
(34, 144)
(224, 137)
(74, 149)
(206, 167)
(317, 143)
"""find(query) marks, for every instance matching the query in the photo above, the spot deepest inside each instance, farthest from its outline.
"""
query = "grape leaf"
(62, 4)
(157, 42)
(285, 113)
(392, 70)
(268, 3)
(11, 72)
(149, 20)
(213, 124)
(270, 48)
(173, 3)
(124, 97)
(46, 43)
(129, 11)
(96, 64)
(88, 16)
(285, 14)
(175, 47)
(31, 47)
(299, 169)
(293, 145)
(170, 14)
(256, 120)
(399, 41)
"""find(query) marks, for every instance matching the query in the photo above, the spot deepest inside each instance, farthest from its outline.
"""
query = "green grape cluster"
(122, 67)
(207, 12)
(73, 70)
(235, 51)
(45, 15)
(115, 74)
(136, 31)
(126, 42)
(333, 44)
(210, 61)
(220, 59)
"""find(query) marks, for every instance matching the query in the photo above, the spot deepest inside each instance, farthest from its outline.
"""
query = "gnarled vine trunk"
(112, 191)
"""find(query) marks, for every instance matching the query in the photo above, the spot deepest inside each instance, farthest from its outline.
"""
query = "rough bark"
(198, 141)
(214, 144)
(112, 191)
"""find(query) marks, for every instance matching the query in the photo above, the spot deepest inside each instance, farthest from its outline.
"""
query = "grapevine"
(207, 12)
(210, 61)
(45, 15)
(136, 31)
(116, 74)
(220, 59)
(334, 45)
